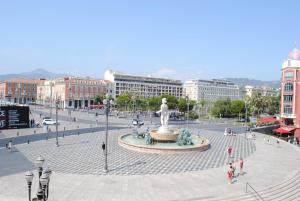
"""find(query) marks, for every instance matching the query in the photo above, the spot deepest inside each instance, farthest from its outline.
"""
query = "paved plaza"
(77, 164)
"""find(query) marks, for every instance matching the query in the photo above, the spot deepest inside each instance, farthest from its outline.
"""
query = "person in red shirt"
(241, 166)
(229, 176)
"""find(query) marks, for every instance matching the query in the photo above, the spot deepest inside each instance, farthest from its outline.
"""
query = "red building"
(290, 93)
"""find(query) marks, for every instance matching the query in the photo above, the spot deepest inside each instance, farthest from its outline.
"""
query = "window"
(288, 75)
(287, 98)
(287, 109)
(288, 87)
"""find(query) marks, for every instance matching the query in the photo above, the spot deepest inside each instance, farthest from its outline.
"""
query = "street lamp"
(108, 103)
(188, 104)
(44, 179)
(56, 124)
(246, 119)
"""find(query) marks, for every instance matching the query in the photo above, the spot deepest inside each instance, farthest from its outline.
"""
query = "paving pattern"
(83, 155)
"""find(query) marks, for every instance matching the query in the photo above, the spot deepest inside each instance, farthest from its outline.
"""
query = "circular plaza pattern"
(83, 154)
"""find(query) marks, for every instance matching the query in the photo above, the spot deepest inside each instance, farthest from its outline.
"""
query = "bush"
(192, 115)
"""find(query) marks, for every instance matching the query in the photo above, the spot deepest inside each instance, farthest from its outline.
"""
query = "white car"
(49, 122)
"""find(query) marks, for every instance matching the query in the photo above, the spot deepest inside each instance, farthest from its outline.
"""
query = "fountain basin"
(130, 142)
(170, 136)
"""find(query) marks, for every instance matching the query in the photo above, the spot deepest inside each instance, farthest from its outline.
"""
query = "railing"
(247, 184)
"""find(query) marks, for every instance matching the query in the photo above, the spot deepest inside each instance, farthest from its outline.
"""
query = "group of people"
(231, 172)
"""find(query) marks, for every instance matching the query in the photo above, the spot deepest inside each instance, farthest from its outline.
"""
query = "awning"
(284, 130)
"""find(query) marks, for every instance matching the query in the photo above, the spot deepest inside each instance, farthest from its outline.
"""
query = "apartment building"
(211, 90)
(19, 90)
(143, 86)
(73, 92)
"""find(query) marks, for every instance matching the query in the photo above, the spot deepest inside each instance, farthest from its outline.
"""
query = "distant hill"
(35, 74)
(252, 82)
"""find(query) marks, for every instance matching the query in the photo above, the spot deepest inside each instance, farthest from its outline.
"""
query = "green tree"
(99, 98)
(221, 107)
(237, 107)
(124, 100)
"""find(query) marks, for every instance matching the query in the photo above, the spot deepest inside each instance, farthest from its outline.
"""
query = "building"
(72, 92)
(19, 90)
(264, 91)
(290, 93)
(143, 86)
(211, 90)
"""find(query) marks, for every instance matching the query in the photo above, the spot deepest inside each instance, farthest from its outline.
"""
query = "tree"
(237, 107)
(99, 98)
(221, 108)
(124, 100)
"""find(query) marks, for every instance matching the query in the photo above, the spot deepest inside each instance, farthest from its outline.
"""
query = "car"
(137, 122)
(49, 122)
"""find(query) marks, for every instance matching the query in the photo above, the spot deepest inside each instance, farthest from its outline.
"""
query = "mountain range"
(252, 82)
(35, 74)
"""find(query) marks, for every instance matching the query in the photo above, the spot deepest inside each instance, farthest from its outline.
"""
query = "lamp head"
(39, 161)
(29, 176)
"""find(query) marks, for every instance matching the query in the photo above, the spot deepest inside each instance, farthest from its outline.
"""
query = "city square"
(149, 100)
(78, 162)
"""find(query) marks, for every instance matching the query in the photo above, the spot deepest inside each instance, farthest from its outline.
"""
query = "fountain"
(165, 139)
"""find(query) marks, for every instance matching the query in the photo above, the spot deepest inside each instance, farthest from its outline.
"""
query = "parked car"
(137, 122)
(49, 122)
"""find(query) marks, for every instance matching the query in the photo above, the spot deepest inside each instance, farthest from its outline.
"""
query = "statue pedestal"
(164, 134)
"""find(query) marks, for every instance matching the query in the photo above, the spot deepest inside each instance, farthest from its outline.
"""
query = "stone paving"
(83, 155)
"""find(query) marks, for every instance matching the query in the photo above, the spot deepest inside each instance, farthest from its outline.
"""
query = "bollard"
(64, 128)
(18, 133)
(63, 135)
(77, 127)
(34, 131)
(27, 141)
(78, 132)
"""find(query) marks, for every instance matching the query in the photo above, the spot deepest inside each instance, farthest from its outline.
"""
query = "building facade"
(264, 91)
(73, 92)
(19, 90)
(290, 92)
(211, 90)
(143, 86)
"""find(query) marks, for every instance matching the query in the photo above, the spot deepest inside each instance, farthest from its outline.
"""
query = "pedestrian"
(269, 140)
(40, 115)
(229, 176)
(229, 150)
(277, 140)
(241, 165)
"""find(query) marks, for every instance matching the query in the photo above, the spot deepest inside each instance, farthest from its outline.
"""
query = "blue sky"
(179, 39)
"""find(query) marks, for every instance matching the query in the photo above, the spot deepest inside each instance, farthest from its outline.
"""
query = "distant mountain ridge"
(35, 74)
(258, 83)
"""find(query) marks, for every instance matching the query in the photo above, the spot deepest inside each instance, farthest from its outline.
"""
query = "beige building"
(211, 90)
(72, 92)
(19, 90)
(143, 86)
(265, 91)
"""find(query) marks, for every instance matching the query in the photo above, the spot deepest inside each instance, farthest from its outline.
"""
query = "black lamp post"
(188, 109)
(108, 103)
(44, 179)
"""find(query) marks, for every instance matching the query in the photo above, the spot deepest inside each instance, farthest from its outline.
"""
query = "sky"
(176, 39)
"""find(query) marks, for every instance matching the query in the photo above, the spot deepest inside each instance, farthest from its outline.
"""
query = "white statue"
(164, 117)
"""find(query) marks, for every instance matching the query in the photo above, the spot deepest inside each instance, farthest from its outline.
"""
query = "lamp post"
(188, 104)
(108, 103)
(44, 179)
(51, 85)
(246, 119)
(56, 123)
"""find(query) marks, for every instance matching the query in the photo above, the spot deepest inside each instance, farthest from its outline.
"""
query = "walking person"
(229, 176)
(229, 151)
(241, 166)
